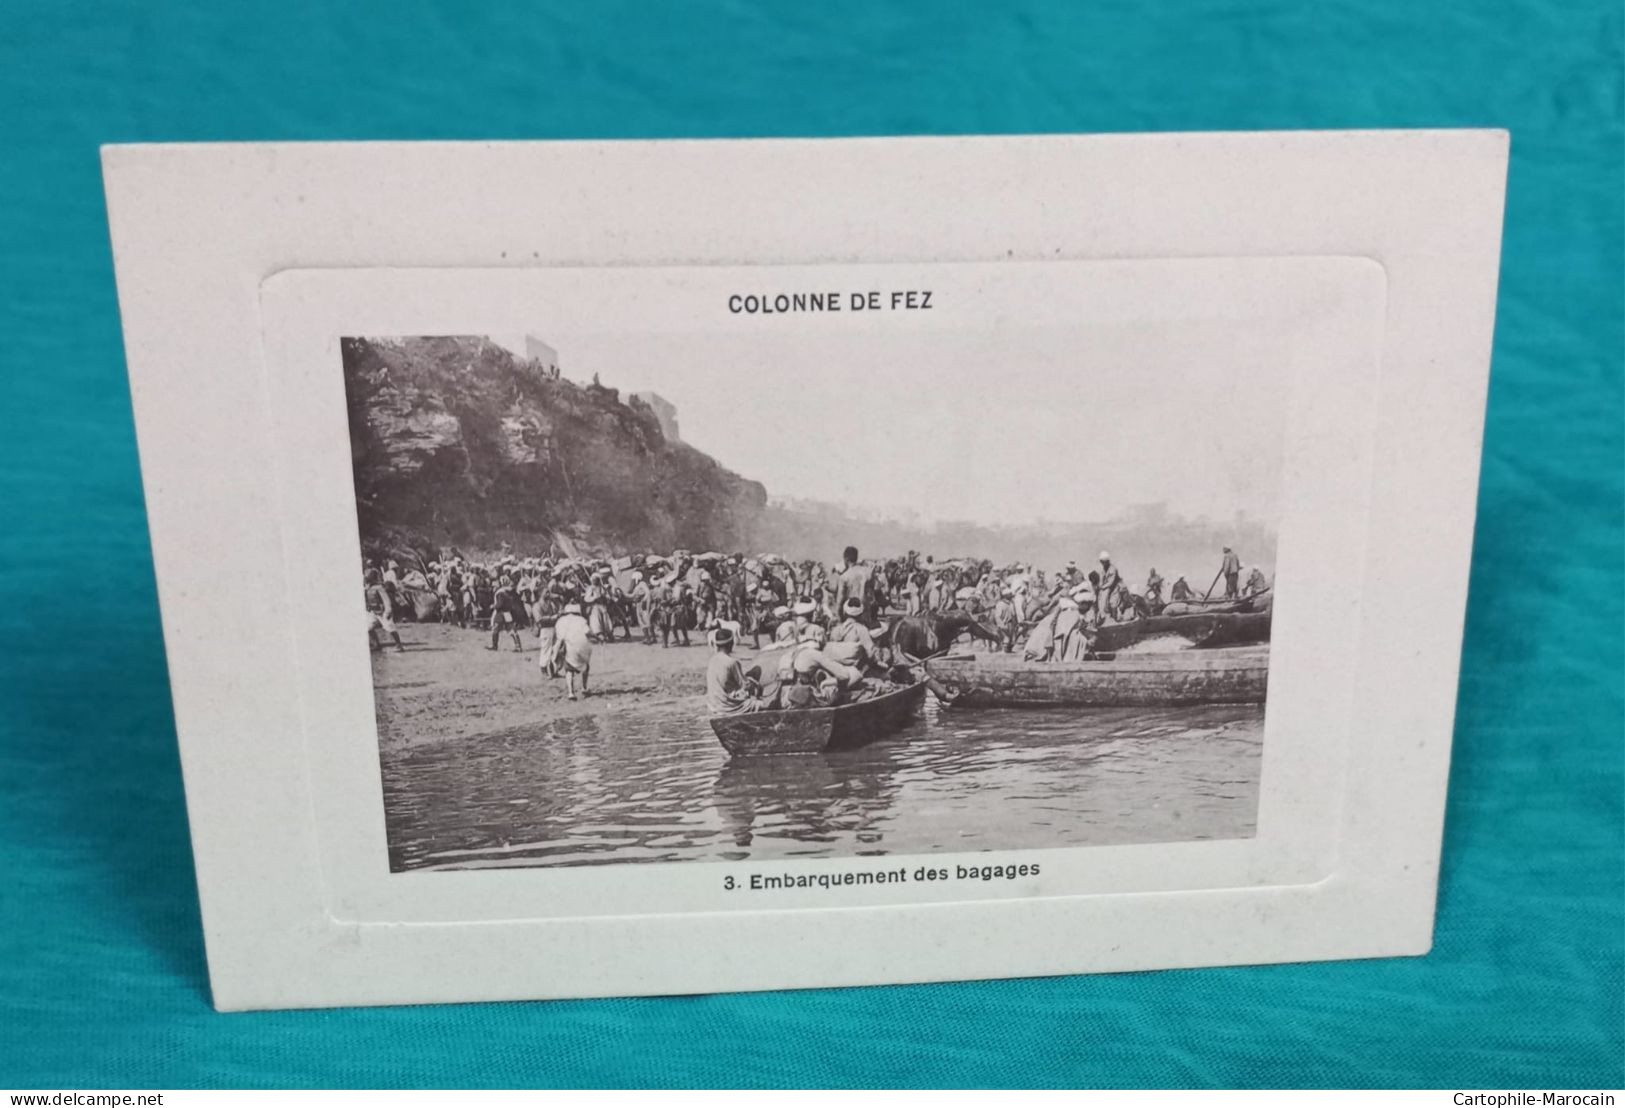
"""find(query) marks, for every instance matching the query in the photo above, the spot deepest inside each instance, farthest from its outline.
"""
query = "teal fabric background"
(102, 981)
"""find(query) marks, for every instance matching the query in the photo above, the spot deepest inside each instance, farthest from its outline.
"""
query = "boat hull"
(1146, 680)
(814, 730)
(1257, 603)
(1205, 631)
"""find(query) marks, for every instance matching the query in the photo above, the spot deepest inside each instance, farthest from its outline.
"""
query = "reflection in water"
(653, 785)
(805, 803)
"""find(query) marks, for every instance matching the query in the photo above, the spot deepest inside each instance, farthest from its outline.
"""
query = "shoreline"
(449, 686)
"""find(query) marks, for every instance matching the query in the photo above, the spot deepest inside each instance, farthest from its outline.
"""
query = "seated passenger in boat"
(729, 688)
(813, 679)
(850, 642)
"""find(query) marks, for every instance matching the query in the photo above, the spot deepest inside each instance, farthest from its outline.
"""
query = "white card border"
(198, 230)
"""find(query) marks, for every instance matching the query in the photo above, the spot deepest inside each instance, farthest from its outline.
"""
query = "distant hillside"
(456, 440)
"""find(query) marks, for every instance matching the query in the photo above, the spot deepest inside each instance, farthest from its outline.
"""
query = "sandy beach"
(449, 685)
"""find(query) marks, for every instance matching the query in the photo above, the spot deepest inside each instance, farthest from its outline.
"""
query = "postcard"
(619, 568)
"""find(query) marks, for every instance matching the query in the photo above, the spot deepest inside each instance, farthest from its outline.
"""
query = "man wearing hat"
(529, 586)
(802, 614)
(679, 611)
(705, 599)
(850, 640)
(661, 611)
(1231, 568)
(574, 649)
(729, 689)
(1071, 575)
(1107, 598)
(1088, 601)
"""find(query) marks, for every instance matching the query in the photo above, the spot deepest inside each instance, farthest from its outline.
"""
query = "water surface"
(653, 785)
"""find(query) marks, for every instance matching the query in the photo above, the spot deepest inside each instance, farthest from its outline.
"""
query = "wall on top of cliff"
(456, 440)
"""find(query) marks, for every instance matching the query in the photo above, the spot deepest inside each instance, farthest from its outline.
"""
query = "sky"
(991, 428)
(997, 409)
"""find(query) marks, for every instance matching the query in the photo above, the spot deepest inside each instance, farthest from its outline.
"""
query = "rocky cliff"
(456, 440)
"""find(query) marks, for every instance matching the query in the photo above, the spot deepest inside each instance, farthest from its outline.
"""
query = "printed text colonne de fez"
(792, 303)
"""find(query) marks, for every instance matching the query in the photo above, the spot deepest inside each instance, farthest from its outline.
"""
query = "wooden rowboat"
(1138, 680)
(812, 730)
(1204, 631)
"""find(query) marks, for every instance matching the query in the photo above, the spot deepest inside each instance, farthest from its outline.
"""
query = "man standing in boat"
(1232, 574)
(1108, 594)
(1153, 590)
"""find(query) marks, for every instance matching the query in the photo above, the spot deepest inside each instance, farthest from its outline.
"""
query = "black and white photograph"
(839, 547)
(1041, 555)
(821, 592)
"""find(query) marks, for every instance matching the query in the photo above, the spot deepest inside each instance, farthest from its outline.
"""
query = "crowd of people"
(830, 616)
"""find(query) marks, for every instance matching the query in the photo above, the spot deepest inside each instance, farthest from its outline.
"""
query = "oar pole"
(1215, 584)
